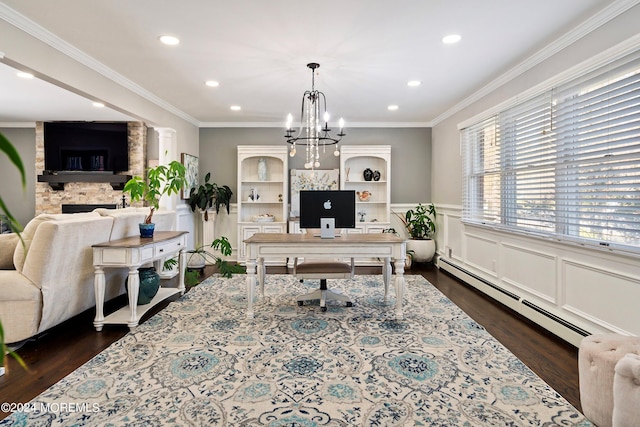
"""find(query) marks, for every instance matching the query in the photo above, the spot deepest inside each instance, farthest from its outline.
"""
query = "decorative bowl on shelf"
(263, 218)
(364, 196)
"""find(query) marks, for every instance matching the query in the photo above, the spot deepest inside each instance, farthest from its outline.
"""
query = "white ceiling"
(258, 51)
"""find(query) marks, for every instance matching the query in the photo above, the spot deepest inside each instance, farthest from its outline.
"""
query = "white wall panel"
(482, 253)
(452, 239)
(605, 297)
(529, 270)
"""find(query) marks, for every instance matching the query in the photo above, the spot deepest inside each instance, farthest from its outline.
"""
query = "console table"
(282, 245)
(131, 253)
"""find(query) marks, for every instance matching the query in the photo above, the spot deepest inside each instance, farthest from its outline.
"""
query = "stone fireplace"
(50, 200)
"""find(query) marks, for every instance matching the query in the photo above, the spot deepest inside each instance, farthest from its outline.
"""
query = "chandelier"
(312, 133)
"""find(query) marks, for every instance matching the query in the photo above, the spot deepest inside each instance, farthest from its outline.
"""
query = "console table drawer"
(168, 248)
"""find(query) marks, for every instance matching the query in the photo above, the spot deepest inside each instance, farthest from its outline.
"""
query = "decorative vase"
(149, 284)
(368, 174)
(146, 230)
(262, 169)
(376, 175)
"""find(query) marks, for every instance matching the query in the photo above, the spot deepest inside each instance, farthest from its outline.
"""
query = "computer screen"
(337, 204)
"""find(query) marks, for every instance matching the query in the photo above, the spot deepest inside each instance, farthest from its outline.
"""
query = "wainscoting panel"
(185, 221)
(571, 290)
(482, 253)
(532, 271)
(618, 311)
(452, 226)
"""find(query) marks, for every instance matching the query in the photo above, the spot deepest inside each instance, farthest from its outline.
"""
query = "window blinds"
(565, 163)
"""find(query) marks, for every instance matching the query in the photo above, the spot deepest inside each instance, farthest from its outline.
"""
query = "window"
(564, 163)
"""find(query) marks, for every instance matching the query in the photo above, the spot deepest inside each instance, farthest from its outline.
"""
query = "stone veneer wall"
(51, 201)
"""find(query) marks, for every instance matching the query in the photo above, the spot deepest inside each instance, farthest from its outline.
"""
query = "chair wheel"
(349, 304)
(300, 303)
(323, 308)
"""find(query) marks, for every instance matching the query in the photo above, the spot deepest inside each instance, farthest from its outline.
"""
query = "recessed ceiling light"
(24, 75)
(413, 83)
(212, 83)
(235, 108)
(169, 40)
(392, 107)
(451, 38)
(98, 104)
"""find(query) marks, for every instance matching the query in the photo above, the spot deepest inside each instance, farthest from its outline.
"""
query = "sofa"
(609, 392)
(48, 277)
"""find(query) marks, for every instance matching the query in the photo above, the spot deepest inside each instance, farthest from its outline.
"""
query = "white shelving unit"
(354, 160)
(259, 196)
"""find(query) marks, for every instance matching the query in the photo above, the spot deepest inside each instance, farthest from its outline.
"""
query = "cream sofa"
(49, 279)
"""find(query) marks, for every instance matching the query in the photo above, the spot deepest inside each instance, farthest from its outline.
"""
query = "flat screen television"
(337, 204)
(86, 147)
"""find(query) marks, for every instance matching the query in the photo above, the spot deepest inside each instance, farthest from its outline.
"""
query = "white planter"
(423, 249)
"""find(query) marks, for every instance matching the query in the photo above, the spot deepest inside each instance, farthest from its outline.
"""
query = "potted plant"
(197, 258)
(420, 223)
(7, 148)
(161, 180)
(208, 195)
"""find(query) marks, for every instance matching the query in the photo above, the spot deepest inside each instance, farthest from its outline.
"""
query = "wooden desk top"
(348, 238)
(137, 241)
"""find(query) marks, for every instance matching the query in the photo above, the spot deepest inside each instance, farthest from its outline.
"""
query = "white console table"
(131, 253)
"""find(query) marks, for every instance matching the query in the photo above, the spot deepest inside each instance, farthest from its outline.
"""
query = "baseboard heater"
(486, 282)
(568, 325)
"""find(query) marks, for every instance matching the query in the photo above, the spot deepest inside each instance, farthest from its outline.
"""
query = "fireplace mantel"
(57, 181)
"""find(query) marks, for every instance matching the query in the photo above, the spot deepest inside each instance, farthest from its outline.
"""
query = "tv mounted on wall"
(86, 146)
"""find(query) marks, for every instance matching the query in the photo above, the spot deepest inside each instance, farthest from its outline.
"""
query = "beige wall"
(20, 203)
(410, 156)
(447, 165)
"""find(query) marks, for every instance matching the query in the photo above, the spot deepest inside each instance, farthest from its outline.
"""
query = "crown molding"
(610, 12)
(33, 29)
(282, 125)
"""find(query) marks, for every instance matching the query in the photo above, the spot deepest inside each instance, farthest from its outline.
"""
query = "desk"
(132, 252)
(279, 245)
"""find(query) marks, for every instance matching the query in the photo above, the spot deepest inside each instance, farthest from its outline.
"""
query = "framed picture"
(304, 179)
(191, 164)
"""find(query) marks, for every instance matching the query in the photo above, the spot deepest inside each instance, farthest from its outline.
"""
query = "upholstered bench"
(597, 359)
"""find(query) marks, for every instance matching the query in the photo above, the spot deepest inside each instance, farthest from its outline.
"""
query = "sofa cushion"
(8, 243)
(20, 306)
(30, 231)
(126, 220)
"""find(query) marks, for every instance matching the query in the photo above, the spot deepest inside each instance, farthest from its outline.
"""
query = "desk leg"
(251, 286)
(133, 289)
(386, 277)
(399, 265)
(98, 286)
(261, 275)
(182, 264)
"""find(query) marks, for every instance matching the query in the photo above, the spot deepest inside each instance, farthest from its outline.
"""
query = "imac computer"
(327, 210)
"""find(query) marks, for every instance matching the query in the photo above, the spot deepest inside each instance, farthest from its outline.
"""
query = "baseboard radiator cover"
(544, 318)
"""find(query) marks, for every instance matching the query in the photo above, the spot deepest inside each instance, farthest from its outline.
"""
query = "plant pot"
(146, 230)
(149, 284)
(423, 250)
(196, 261)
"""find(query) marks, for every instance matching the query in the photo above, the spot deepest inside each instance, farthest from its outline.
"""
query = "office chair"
(323, 270)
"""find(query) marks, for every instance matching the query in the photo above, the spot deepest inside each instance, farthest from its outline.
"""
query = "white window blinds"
(565, 163)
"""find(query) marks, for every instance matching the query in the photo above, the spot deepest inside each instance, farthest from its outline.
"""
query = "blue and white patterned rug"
(201, 362)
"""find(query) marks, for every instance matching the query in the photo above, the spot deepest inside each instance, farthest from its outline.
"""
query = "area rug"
(201, 362)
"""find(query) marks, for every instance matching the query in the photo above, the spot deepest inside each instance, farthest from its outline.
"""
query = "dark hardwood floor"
(59, 351)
